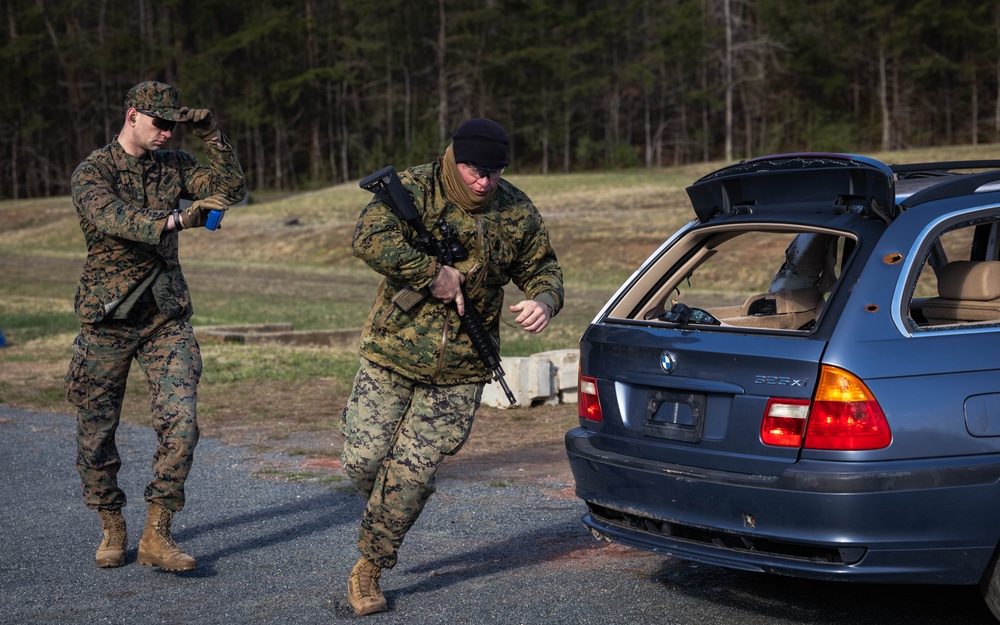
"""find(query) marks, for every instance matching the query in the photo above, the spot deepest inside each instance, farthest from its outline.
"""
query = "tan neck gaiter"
(455, 187)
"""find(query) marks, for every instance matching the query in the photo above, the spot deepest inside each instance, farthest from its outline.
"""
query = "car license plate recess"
(673, 415)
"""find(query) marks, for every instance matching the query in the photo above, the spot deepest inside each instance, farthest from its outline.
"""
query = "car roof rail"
(955, 186)
(942, 168)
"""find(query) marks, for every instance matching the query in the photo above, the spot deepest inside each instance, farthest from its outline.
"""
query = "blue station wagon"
(805, 379)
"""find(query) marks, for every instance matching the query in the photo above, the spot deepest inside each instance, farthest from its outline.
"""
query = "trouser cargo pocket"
(77, 384)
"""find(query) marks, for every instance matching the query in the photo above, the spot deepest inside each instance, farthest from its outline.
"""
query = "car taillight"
(588, 404)
(784, 422)
(845, 414)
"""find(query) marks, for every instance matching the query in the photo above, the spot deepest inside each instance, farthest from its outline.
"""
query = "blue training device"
(214, 219)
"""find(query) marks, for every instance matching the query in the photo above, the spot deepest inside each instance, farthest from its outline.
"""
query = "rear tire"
(989, 586)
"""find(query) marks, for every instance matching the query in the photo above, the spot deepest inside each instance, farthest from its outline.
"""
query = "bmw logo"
(668, 362)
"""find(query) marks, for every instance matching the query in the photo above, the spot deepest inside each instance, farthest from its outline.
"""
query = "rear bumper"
(912, 523)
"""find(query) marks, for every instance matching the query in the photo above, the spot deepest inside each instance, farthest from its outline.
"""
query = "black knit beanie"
(481, 142)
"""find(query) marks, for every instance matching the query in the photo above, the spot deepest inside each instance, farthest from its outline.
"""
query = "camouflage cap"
(159, 99)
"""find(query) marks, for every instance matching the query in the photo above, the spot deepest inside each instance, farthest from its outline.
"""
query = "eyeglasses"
(482, 172)
(160, 123)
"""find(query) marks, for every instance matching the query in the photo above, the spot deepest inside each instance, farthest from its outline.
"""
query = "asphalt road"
(279, 551)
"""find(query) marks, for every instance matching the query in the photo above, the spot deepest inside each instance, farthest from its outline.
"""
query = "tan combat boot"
(111, 553)
(363, 592)
(157, 548)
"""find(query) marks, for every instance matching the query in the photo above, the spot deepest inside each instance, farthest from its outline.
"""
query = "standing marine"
(133, 303)
(421, 379)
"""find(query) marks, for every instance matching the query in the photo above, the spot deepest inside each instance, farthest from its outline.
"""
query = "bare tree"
(442, 47)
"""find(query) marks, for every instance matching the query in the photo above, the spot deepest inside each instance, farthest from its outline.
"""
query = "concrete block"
(565, 366)
(529, 379)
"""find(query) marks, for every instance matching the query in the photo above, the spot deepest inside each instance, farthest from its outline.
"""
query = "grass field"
(289, 260)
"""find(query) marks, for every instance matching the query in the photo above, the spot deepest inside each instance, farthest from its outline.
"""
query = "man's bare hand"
(534, 315)
(447, 287)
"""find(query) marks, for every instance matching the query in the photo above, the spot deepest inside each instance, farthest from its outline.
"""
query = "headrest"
(977, 280)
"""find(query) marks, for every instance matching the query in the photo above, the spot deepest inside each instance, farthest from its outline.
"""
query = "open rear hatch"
(797, 183)
(721, 324)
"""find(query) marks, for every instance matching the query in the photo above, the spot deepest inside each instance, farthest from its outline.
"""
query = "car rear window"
(766, 278)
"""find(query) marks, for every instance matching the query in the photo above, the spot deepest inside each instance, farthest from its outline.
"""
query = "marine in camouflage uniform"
(421, 379)
(133, 303)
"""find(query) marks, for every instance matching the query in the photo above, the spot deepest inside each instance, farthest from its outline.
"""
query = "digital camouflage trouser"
(397, 433)
(168, 354)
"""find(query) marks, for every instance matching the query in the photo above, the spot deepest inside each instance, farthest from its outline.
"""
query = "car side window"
(959, 282)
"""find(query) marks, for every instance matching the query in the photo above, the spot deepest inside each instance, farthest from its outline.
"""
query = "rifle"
(387, 188)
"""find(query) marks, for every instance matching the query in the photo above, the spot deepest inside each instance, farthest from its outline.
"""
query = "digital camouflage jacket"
(506, 241)
(123, 203)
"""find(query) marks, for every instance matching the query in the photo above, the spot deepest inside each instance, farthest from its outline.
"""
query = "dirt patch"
(524, 444)
(515, 446)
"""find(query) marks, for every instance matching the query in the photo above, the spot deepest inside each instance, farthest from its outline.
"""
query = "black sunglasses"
(482, 172)
(159, 122)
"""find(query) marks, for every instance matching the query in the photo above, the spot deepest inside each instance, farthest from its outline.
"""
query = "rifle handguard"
(484, 347)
